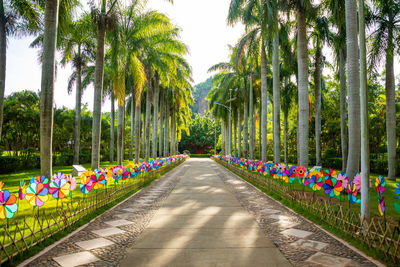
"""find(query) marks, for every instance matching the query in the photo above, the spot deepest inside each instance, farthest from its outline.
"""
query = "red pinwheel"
(333, 187)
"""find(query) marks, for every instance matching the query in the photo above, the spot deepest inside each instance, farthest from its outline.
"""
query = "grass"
(48, 241)
(300, 210)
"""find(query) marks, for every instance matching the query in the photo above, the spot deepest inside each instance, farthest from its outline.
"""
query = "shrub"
(200, 155)
(186, 151)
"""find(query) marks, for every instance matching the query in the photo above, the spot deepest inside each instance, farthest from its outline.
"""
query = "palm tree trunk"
(98, 91)
(166, 127)
(234, 138)
(230, 133)
(3, 61)
(365, 200)
(317, 81)
(251, 114)
(264, 106)
(302, 56)
(343, 124)
(173, 130)
(239, 126)
(161, 134)
(112, 127)
(120, 132)
(259, 131)
(77, 127)
(285, 140)
(47, 85)
(277, 99)
(222, 137)
(132, 124)
(143, 132)
(148, 116)
(353, 85)
(155, 115)
(226, 137)
(390, 108)
(137, 130)
(245, 126)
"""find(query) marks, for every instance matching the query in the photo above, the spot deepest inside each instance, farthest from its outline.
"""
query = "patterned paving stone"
(279, 217)
(270, 211)
(296, 232)
(117, 223)
(323, 259)
(310, 244)
(94, 243)
(286, 224)
(108, 232)
(76, 259)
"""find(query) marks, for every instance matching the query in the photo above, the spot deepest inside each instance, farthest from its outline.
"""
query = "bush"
(330, 153)
(186, 151)
(9, 164)
(200, 155)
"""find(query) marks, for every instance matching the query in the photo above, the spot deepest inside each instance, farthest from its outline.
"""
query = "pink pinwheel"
(58, 176)
(72, 182)
(8, 205)
(343, 178)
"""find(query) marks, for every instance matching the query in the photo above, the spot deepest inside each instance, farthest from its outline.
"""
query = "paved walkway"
(200, 214)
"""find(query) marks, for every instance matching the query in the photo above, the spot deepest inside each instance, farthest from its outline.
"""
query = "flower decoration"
(329, 173)
(397, 193)
(8, 205)
(72, 182)
(281, 168)
(301, 171)
(344, 179)
(380, 188)
(98, 180)
(333, 187)
(380, 184)
(316, 181)
(36, 194)
(1, 185)
(86, 184)
(21, 190)
(40, 179)
(59, 188)
(58, 176)
(352, 193)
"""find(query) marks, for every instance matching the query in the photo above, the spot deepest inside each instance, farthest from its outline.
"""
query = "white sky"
(204, 30)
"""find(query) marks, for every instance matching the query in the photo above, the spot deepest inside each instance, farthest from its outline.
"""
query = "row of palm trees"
(130, 54)
(273, 58)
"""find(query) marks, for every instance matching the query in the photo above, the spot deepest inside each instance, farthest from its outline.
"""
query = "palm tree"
(321, 35)
(386, 19)
(16, 16)
(337, 8)
(353, 85)
(104, 19)
(77, 48)
(47, 86)
(365, 213)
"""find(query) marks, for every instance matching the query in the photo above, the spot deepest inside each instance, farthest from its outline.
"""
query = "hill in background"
(199, 95)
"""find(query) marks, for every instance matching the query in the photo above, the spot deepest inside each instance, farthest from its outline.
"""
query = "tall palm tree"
(16, 17)
(47, 86)
(386, 21)
(104, 19)
(78, 47)
(353, 85)
(337, 8)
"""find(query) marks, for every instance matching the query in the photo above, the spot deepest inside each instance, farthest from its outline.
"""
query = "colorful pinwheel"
(98, 180)
(333, 187)
(86, 184)
(380, 189)
(59, 188)
(72, 182)
(21, 190)
(8, 205)
(397, 193)
(316, 181)
(58, 176)
(36, 194)
(329, 173)
(344, 179)
(352, 193)
(40, 179)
